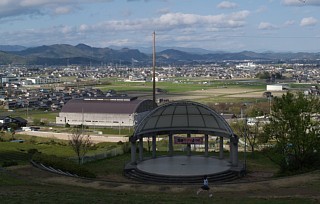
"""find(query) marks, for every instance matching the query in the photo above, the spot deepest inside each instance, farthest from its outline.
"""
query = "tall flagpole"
(154, 68)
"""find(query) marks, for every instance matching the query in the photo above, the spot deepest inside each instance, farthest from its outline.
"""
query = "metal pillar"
(154, 146)
(234, 143)
(206, 145)
(221, 154)
(170, 145)
(189, 146)
(133, 152)
(141, 149)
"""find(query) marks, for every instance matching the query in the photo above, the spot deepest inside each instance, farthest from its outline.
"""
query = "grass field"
(181, 86)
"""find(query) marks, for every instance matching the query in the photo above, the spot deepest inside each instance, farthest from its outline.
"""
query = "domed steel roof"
(183, 117)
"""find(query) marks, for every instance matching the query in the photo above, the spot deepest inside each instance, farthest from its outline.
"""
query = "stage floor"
(184, 165)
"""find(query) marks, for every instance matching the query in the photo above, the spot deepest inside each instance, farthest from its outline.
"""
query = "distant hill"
(11, 48)
(7, 58)
(81, 54)
(148, 50)
(61, 54)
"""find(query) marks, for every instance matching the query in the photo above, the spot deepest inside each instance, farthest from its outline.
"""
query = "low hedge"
(62, 164)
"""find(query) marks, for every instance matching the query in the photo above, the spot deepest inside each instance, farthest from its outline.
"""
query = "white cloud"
(116, 31)
(289, 23)
(310, 21)
(9, 8)
(301, 2)
(227, 5)
(66, 29)
(171, 21)
(163, 11)
(84, 28)
(62, 10)
(118, 42)
(267, 26)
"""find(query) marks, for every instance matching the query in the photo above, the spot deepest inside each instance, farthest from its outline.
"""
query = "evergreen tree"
(295, 128)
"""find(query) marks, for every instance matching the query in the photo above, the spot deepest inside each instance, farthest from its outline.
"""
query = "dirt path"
(66, 136)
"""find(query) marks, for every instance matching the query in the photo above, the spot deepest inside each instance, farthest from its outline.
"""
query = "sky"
(235, 25)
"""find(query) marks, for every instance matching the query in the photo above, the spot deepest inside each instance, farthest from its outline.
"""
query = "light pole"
(245, 142)
(270, 99)
(245, 127)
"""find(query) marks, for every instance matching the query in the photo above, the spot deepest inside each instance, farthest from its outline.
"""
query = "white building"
(277, 87)
(104, 112)
(44, 80)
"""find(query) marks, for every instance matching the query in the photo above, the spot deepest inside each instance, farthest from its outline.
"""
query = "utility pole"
(154, 68)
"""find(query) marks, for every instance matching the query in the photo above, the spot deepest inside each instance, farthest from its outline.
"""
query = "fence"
(108, 153)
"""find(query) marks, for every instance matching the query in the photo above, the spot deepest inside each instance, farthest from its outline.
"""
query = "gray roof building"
(108, 111)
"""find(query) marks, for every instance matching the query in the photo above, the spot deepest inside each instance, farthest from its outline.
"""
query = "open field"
(219, 95)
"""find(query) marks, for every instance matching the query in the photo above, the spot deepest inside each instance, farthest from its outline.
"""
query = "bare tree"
(80, 143)
(249, 133)
(253, 136)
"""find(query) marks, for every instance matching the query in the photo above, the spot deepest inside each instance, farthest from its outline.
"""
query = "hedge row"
(62, 164)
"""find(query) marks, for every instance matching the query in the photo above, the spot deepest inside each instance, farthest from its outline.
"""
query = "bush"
(33, 151)
(9, 163)
(62, 164)
(126, 147)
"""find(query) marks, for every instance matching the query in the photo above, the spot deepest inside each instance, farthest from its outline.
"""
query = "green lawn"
(180, 86)
(32, 114)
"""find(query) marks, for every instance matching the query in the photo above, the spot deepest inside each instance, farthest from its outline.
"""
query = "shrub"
(62, 164)
(126, 147)
(33, 151)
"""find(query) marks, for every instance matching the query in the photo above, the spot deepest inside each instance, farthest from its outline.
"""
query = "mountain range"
(81, 54)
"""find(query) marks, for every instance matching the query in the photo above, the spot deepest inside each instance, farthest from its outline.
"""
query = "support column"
(170, 145)
(234, 143)
(221, 155)
(133, 152)
(206, 145)
(154, 146)
(141, 149)
(231, 150)
(189, 146)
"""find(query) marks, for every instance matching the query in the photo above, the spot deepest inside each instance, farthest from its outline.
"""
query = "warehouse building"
(277, 87)
(104, 112)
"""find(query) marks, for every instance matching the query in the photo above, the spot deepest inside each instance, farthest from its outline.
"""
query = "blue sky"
(254, 25)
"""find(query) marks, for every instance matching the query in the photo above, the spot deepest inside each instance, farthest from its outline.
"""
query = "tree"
(12, 127)
(250, 133)
(295, 131)
(80, 143)
(263, 75)
(253, 135)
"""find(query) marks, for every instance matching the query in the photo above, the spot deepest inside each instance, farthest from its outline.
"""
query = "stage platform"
(182, 169)
(184, 166)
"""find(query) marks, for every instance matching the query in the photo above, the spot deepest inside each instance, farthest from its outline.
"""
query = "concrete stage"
(184, 166)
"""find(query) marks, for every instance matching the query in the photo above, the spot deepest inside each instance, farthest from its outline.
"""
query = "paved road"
(66, 136)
